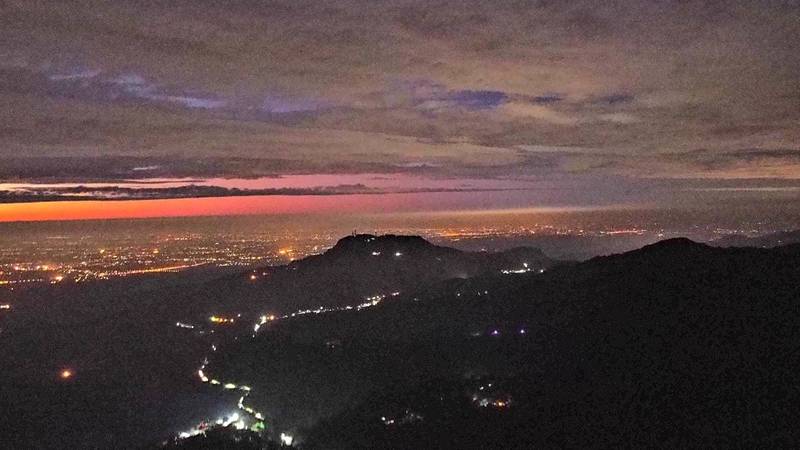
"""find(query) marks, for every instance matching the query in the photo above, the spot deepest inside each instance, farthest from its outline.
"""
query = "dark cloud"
(785, 154)
(478, 99)
(615, 99)
(146, 193)
(51, 193)
(113, 168)
(251, 88)
(547, 98)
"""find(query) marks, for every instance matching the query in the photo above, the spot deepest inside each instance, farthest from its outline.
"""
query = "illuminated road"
(257, 417)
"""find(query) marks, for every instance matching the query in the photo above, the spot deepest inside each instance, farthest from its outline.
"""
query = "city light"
(66, 374)
(262, 320)
(286, 439)
(220, 320)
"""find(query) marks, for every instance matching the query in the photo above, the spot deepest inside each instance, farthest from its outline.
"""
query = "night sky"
(591, 99)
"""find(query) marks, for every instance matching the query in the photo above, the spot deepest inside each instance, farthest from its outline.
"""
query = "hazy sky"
(541, 90)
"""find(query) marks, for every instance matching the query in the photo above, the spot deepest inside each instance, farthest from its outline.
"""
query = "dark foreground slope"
(675, 344)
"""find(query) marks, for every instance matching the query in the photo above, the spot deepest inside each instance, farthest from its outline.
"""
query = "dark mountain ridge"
(675, 344)
(771, 240)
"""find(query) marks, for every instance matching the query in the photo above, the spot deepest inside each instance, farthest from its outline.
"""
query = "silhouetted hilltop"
(357, 267)
(664, 251)
(389, 243)
(669, 255)
(679, 244)
(367, 249)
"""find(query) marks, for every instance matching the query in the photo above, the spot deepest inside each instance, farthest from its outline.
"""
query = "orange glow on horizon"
(227, 206)
(186, 207)
(422, 202)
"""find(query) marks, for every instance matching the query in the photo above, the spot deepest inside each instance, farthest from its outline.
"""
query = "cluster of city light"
(22, 281)
(485, 402)
(287, 439)
(130, 257)
(248, 409)
(407, 417)
(229, 386)
(232, 419)
(184, 325)
(262, 321)
(496, 332)
(637, 231)
(541, 229)
(168, 269)
(497, 400)
(371, 301)
(220, 320)
(525, 269)
(5, 306)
